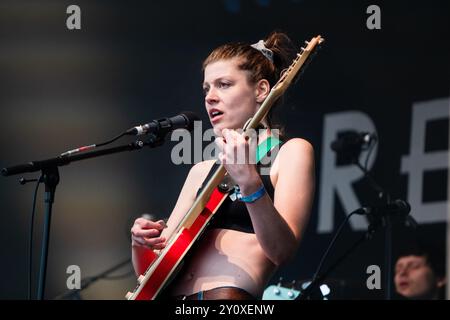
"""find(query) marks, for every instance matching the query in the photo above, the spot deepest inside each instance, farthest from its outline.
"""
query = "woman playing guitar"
(248, 238)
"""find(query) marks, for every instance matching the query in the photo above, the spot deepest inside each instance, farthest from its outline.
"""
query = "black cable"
(305, 293)
(338, 232)
(92, 146)
(317, 276)
(120, 276)
(112, 140)
(86, 282)
(30, 241)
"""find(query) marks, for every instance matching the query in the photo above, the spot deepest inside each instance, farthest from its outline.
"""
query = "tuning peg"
(306, 42)
(303, 49)
(293, 284)
(280, 281)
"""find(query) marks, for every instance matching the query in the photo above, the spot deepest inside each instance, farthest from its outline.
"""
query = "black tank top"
(234, 214)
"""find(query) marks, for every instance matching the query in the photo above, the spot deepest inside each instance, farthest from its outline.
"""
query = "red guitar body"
(162, 268)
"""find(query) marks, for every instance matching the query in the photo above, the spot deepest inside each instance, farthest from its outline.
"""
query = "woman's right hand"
(147, 233)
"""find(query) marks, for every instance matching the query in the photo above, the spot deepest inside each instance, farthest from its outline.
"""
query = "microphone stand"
(374, 224)
(49, 168)
(307, 293)
(387, 223)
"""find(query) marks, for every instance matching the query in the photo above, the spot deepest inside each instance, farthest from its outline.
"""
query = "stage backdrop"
(382, 70)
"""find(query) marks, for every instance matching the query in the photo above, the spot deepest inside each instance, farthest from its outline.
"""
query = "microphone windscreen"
(190, 117)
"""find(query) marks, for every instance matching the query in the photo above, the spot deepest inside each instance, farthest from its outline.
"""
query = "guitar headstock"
(290, 73)
(277, 292)
(292, 291)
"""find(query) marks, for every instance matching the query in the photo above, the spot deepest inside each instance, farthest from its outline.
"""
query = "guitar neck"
(202, 198)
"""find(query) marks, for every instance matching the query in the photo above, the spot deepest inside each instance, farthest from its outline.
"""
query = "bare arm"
(148, 235)
(279, 225)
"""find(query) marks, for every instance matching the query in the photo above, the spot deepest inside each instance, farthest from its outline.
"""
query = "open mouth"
(215, 115)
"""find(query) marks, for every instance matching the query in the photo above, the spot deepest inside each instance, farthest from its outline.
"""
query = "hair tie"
(262, 48)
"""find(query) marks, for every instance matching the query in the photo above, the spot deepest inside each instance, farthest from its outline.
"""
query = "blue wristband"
(253, 197)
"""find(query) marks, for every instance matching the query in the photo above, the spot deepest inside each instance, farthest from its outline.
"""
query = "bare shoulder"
(193, 182)
(200, 170)
(296, 155)
(297, 148)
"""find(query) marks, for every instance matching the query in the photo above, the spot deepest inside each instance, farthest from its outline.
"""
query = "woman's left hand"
(237, 152)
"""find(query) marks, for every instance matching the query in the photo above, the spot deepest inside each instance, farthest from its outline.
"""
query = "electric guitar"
(165, 264)
(277, 292)
(292, 291)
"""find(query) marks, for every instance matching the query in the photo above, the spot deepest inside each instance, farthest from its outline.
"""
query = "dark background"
(134, 61)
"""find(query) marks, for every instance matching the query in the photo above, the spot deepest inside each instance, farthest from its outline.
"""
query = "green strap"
(261, 151)
(266, 146)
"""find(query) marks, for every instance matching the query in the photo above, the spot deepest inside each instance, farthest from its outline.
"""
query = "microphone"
(398, 207)
(352, 141)
(161, 127)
